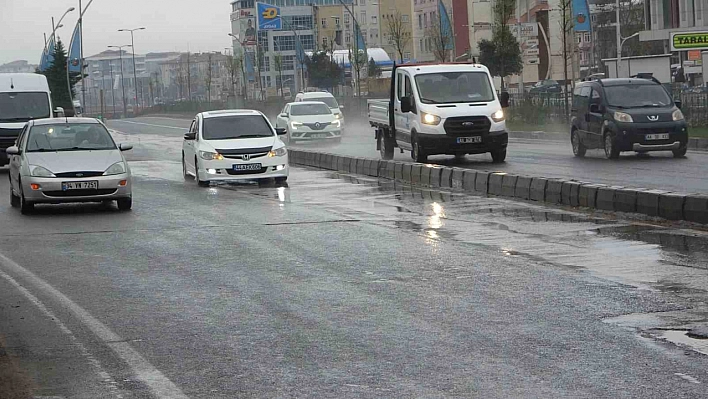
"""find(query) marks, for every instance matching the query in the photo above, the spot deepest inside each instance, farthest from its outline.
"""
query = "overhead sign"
(531, 52)
(268, 17)
(529, 29)
(531, 43)
(689, 41)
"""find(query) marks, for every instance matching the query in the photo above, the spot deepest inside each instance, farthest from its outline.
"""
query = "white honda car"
(233, 145)
(309, 120)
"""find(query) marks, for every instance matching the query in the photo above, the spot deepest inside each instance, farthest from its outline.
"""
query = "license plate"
(319, 136)
(79, 185)
(657, 136)
(248, 166)
(473, 139)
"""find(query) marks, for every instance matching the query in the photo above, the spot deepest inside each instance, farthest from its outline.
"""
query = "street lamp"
(59, 25)
(122, 83)
(619, 52)
(135, 74)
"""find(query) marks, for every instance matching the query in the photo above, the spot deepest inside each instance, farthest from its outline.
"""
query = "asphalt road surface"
(339, 286)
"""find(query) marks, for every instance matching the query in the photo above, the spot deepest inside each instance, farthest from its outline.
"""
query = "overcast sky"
(172, 25)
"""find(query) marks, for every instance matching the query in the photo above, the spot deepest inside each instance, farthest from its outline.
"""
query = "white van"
(23, 97)
(325, 97)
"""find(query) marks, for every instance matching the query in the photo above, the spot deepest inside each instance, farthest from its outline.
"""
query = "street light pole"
(619, 53)
(135, 74)
(122, 82)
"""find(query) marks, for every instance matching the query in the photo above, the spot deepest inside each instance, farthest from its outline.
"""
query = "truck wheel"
(498, 156)
(385, 146)
(611, 151)
(417, 153)
(578, 147)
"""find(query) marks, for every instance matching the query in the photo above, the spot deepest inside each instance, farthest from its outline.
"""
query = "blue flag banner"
(300, 54)
(445, 26)
(268, 17)
(47, 56)
(73, 62)
(581, 15)
(250, 70)
(360, 42)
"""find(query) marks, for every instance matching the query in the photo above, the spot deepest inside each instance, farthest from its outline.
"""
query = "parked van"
(23, 97)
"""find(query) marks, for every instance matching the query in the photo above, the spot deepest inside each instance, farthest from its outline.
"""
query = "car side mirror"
(504, 99)
(678, 103)
(59, 112)
(280, 131)
(125, 147)
(284, 115)
(190, 136)
(406, 104)
(14, 150)
(341, 107)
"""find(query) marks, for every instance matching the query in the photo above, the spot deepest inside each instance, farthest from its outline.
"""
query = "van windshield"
(330, 101)
(637, 96)
(22, 107)
(454, 87)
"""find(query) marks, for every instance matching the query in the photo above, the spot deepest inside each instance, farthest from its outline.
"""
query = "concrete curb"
(668, 205)
(694, 143)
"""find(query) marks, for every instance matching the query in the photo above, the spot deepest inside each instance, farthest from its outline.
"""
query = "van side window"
(399, 85)
(596, 97)
(408, 88)
(584, 96)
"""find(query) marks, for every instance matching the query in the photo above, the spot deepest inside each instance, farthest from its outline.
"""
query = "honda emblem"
(246, 157)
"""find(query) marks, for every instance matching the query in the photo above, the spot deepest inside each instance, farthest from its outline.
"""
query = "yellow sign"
(689, 41)
(270, 13)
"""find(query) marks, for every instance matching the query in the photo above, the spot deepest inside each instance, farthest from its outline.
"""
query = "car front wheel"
(681, 152)
(611, 150)
(200, 182)
(25, 207)
(578, 147)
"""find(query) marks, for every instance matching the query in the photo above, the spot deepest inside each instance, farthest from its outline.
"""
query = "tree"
(208, 77)
(57, 79)
(181, 78)
(399, 32)
(440, 41)
(278, 64)
(567, 23)
(357, 58)
(373, 70)
(502, 54)
(322, 71)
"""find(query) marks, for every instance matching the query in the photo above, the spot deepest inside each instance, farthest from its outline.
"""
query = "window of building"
(325, 42)
(586, 37)
(337, 22)
(374, 20)
(265, 64)
(420, 21)
(374, 33)
(420, 45)
(288, 63)
(347, 18)
(425, 20)
(297, 22)
(433, 17)
(405, 18)
(308, 42)
(263, 39)
(347, 38)
(269, 83)
(407, 55)
(362, 2)
(284, 43)
(363, 16)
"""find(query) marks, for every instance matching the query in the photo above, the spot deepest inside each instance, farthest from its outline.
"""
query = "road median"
(654, 203)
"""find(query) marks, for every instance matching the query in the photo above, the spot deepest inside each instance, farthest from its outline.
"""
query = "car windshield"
(330, 101)
(22, 107)
(637, 96)
(310, 109)
(236, 127)
(454, 87)
(69, 137)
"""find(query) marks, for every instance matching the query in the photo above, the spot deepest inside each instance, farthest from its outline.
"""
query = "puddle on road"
(682, 338)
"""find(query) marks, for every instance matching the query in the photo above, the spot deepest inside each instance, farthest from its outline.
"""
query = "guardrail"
(656, 203)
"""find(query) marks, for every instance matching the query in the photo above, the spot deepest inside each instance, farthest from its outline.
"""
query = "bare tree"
(208, 77)
(399, 32)
(357, 57)
(278, 64)
(189, 77)
(565, 7)
(181, 78)
(440, 41)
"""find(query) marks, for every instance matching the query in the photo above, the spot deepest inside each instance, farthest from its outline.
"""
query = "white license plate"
(319, 136)
(79, 185)
(249, 166)
(473, 139)
(658, 136)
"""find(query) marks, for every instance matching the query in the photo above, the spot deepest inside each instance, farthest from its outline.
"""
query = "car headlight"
(278, 152)
(115, 169)
(429, 119)
(677, 115)
(295, 125)
(40, 171)
(338, 116)
(623, 117)
(498, 116)
(211, 156)
(337, 123)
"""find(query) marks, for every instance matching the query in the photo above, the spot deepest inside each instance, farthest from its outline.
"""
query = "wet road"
(527, 157)
(338, 286)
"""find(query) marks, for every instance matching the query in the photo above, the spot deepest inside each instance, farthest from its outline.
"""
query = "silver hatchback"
(68, 160)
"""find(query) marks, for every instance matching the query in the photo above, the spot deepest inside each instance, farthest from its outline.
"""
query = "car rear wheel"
(417, 153)
(611, 151)
(578, 147)
(385, 146)
(681, 152)
(124, 204)
(200, 182)
(498, 156)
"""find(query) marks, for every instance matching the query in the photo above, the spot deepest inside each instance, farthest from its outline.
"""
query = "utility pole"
(113, 97)
(520, 88)
(135, 74)
(619, 38)
(189, 78)
(122, 83)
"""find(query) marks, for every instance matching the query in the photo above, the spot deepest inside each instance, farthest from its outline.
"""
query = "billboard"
(689, 41)
(581, 15)
(268, 17)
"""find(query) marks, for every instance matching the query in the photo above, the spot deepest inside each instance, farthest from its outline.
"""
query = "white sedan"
(309, 120)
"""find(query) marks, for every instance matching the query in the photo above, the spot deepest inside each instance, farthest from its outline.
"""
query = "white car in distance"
(309, 120)
(233, 145)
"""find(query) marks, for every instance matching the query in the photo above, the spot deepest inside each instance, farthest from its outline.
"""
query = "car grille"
(79, 174)
(317, 126)
(250, 153)
(456, 126)
(5, 132)
(246, 172)
(80, 193)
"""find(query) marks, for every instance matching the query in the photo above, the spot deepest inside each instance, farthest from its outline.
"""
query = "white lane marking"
(143, 370)
(688, 378)
(153, 125)
(82, 349)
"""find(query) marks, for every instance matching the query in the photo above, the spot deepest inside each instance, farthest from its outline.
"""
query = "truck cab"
(23, 97)
(438, 109)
